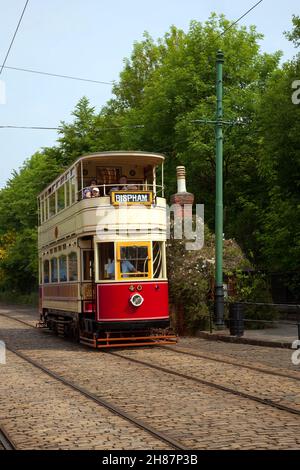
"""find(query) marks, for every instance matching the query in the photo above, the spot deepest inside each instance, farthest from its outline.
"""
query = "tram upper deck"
(66, 211)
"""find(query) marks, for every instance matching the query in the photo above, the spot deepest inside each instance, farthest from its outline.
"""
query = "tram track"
(193, 354)
(17, 319)
(5, 440)
(213, 385)
(229, 362)
(200, 381)
(100, 401)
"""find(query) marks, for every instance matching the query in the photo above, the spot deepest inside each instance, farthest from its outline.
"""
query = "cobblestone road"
(41, 413)
(281, 390)
(278, 358)
(198, 416)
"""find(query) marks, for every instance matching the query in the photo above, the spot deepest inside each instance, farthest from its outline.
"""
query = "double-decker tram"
(102, 254)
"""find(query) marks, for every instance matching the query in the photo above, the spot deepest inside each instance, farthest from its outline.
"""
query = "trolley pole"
(219, 291)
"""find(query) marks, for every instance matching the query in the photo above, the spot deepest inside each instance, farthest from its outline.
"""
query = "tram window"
(46, 271)
(73, 190)
(88, 262)
(63, 268)
(133, 261)
(73, 276)
(40, 271)
(52, 205)
(106, 261)
(54, 276)
(67, 192)
(46, 209)
(41, 211)
(61, 198)
(157, 260)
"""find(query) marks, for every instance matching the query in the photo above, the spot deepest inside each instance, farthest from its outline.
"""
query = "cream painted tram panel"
(88, 215)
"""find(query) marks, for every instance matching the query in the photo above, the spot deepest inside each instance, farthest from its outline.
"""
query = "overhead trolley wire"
(28, 127)
(240, 18)
(70, 77)
(40, 72)
(84, 79)
(14, 36)
(138, 126)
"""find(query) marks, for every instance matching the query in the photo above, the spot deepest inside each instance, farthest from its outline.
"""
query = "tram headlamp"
(136, 300)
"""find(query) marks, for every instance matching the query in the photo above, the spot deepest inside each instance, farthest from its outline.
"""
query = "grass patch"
(15, 298)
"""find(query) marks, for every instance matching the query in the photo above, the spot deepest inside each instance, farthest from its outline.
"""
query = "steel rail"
(228, 361)
(203, 356)
(214, 385)
(104, 403)
(6, 441)
(248, 396)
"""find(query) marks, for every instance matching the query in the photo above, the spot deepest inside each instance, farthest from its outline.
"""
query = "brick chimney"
(182, 197)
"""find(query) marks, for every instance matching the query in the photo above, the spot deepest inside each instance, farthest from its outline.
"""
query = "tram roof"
(117, 157)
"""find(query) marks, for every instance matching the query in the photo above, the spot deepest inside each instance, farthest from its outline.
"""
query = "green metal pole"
(219, 291)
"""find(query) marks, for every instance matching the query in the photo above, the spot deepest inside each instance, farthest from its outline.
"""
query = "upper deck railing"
(106, 189)
(58, 204)
(71, 187)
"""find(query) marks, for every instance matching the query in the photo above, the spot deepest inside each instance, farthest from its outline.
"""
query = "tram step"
(109, 342)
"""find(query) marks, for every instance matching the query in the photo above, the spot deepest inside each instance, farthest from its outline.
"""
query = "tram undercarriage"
(102, 335)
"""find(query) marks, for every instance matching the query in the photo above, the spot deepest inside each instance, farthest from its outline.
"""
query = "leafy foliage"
(294, 35)
(164, 87)
(252, 288)
(191, 275)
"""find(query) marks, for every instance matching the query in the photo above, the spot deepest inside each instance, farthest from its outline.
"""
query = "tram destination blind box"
(131, 197)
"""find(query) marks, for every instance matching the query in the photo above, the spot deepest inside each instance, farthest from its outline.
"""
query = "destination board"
(131, 197)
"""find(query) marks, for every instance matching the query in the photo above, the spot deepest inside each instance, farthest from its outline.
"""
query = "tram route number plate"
(131, 197)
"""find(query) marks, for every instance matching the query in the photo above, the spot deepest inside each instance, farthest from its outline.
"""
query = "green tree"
(164, 86)
(280, 170)
(180, 88)
(294, 35)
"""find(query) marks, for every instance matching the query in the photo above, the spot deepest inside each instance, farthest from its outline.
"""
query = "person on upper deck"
(88, 192)
(95, 192)
(124, 186)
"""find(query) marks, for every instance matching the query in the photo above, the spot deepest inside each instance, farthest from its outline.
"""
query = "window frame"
(120, 245)
(97, 261)
(52, 272)
(63, 255)
(73, 252)
(52, 199)
(84, 251)
(45, 271)
(61, 191)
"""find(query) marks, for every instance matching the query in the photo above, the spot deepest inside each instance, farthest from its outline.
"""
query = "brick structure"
(182, 197)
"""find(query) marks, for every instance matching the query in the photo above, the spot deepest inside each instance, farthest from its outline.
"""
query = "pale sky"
(90, 38)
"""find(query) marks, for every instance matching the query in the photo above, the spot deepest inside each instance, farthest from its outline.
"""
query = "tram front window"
(133, 260)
